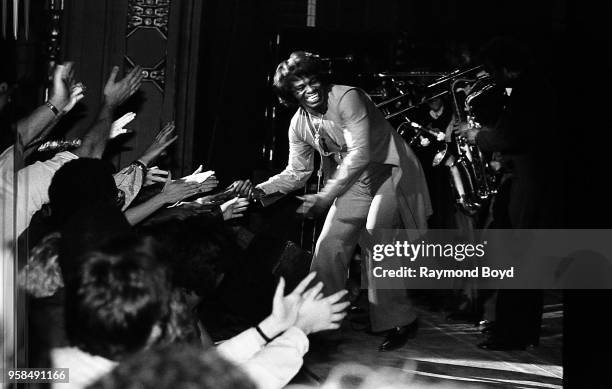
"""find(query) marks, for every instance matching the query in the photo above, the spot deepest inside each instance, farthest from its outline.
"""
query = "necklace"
(317, 128)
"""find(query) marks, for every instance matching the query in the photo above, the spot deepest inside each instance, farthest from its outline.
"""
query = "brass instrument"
(472, 177)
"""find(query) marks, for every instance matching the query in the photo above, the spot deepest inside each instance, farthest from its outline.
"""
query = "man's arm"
(299, 168)
(115, 93)
(64, 95)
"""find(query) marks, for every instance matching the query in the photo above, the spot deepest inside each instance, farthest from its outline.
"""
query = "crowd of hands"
(67, 92)
(305, 307)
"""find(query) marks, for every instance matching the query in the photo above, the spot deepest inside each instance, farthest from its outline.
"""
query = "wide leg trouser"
(370, 203)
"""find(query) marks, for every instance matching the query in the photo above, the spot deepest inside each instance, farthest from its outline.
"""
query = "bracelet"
(261, 333)
(141, 164)
(52, 107)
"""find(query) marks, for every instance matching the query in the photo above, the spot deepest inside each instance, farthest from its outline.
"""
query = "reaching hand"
(285, 308)
(313, 206)
(164, 138)
(155, 175)
(63, 85)
(207, 180)
(234, 208)
(117, 128)
(77, 92)
(243, 188)
(178, 190)
(116, 92)
(320, 314)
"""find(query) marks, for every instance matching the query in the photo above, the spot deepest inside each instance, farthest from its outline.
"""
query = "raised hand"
(285, 308)
(164, 138)
(319, 314)
(63, 83)
(117, 128)
(234, 208)
(116, 92)
(77, 92)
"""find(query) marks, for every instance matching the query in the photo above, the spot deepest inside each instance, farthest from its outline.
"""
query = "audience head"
(177, 366)
(118, 299)
(83, 183)
(298, 68)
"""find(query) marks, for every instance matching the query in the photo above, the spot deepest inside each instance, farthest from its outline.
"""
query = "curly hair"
(177, 366)
(299, 64)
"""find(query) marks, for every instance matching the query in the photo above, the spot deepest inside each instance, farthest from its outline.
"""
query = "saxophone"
(472, 178)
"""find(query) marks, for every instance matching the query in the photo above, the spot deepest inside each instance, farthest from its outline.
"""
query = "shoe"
(486, 326)
(397, 337)
(500, 344)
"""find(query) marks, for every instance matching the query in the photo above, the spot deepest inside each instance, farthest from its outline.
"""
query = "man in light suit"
(374, 180)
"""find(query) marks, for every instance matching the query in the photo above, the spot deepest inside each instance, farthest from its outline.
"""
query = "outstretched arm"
(115, 93)
(299, 168)
(64, 95)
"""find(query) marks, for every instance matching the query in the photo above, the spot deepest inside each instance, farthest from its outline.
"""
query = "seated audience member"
(119, 303)
(177, 366)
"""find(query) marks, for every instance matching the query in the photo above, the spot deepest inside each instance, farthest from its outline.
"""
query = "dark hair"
(81, 184)
(177, 366)
(200, 252)
(120, 293)
(504, 51)
(299, 64)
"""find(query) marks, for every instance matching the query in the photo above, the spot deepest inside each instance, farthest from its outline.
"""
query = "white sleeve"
(33, 183)
(279, 361)
(241, 347)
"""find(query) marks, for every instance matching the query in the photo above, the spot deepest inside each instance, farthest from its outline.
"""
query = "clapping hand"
(116, 92)
(319, 314)
(285, 309)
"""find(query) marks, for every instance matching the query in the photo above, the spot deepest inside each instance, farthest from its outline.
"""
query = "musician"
(522, 135)
(374, 181)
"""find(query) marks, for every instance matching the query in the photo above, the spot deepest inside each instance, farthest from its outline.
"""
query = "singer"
(373, 180)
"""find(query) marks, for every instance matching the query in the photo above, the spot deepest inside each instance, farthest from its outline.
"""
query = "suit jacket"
(361, 136)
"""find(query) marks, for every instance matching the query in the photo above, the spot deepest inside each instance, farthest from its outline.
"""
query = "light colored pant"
(370, 203)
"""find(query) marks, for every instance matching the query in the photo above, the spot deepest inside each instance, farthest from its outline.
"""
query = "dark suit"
(524, 135)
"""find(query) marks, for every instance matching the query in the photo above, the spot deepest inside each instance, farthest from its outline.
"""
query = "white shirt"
(270, 366)
(18, 203)
(83, 368)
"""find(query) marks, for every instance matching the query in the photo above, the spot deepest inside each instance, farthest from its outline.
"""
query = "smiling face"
(309, 93)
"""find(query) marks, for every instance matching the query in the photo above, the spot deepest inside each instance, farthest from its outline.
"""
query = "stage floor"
(445, 352)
